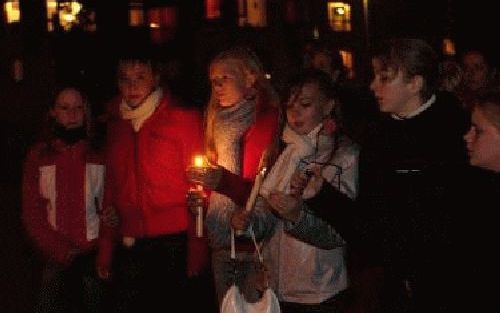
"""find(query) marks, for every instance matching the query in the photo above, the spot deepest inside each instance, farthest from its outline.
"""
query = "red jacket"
(146, 181)
(62, 185)
(256, 140)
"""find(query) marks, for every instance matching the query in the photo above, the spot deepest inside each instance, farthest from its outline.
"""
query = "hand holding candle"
(199, 162)
(203, 173)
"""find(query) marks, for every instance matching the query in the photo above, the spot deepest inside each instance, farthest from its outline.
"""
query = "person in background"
(478, 194)
(241, 121)
(304, 255)
(149, 147)
(479, 75)
(63, 183)
(401, 220)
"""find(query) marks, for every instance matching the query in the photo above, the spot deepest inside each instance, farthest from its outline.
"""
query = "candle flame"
(199, 161)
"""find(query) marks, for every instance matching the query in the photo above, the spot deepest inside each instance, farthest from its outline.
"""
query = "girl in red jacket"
(150, 144)
(62, 192)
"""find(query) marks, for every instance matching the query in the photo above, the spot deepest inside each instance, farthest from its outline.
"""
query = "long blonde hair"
(245, 62)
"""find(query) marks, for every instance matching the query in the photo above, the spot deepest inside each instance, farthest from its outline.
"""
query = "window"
(162, 23)
(448, 47)
(136, 14)
(212, 8)
(339, 16)
(252, 13)
(68, 14)
(12, 12)
(347, 61)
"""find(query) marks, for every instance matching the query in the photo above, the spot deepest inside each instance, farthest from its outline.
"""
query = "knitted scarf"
(139, 115)
(230, 126)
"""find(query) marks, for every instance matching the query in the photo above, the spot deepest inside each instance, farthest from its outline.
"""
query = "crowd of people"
(334, 209)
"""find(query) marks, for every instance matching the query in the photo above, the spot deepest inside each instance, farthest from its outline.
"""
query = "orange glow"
(200, 161)
(212, 8)
(448, 47)
(339, 16)
(12, 12)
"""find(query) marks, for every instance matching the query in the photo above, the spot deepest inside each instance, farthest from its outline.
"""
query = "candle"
(255, 189)
(199, 161)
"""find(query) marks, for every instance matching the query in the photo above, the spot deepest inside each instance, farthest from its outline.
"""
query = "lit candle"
(199, 161)
(255, 189)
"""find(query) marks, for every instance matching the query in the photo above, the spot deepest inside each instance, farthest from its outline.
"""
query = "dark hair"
(327, 87)
(413, 57)
(489, 103)
(143, 54)
(47, 135)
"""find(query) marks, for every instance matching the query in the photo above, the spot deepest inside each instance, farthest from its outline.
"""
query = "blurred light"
(12, 12)
(339, 16)
(267, 76)
(154, 25)
(448, 47)
(136, 15)
(316, 32)
(212, 8)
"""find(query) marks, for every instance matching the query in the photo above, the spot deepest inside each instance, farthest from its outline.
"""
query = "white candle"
(255, 189)
(200, 162)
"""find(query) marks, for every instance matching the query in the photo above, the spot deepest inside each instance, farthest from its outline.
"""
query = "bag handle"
(252, 234)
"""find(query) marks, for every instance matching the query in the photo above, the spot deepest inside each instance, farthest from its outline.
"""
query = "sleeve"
(109, 221)
(234, 187)
(51, 243)
(315, 231)
(263, 220)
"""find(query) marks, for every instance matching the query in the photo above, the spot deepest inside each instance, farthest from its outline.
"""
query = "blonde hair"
(245, 62)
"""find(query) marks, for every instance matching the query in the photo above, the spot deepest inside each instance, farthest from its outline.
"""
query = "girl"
(475, 205)
(62, 192)
(241, 120)
(305, 255)
(150, 144)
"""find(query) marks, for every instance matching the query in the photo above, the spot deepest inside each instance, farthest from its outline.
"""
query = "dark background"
(90, 59)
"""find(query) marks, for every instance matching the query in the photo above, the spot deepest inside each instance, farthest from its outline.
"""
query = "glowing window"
(68, 14)
(448, 47)
(339, 16)
(252, 13)
(162, 22)
(12, 12)
(347, 61)
(136, 15)
(212, 8)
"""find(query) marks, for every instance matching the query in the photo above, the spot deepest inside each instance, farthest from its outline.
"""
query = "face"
(393, 92)
(136, 82)
(476, 70)
(322, 61)
(69, 109)
(306, 108)
(229, 86)
(483, 142)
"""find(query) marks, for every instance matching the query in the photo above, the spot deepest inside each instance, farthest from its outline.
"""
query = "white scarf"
(139, 115)
(299, 152)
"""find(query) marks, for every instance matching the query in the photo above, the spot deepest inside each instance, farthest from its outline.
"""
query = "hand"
(196, 198)
(298, 183)
(103, 272)
(286, 206)
(110, 217)
(240, 219)
(206, 176)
